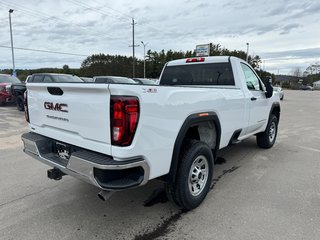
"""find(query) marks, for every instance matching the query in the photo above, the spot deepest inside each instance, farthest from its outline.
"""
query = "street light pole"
(144, 58)
(14, 68)
(247, 57)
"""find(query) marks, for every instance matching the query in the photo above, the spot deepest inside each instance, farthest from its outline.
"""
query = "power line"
(25, 10)
(38, 14)
(45, 51)
(103, 13)
(35, 13)
(115, 10)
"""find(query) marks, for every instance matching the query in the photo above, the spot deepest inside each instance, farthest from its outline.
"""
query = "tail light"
(199, 59)
(124, 116)
(26, 111)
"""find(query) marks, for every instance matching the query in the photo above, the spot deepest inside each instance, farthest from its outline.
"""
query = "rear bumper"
(95, 168)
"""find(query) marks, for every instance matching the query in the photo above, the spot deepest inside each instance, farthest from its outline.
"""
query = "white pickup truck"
(120, 136)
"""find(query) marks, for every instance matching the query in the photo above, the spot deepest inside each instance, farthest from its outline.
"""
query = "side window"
(37, 79)
(251, 78)
(47, 79)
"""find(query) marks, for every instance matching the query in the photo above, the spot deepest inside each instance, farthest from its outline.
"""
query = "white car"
(279, 91)
(120, 136)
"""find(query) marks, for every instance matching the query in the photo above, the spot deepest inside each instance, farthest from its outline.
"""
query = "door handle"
(253, 98)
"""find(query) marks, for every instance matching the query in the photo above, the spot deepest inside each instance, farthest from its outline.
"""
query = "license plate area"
(63, 150)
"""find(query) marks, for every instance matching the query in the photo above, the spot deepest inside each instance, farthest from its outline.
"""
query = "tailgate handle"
(55, 91)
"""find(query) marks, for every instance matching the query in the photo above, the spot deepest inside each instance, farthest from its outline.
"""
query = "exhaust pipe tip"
(104, 195)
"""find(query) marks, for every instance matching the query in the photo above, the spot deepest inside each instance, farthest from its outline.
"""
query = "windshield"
(117, 80)
(145, 81)
(87, 79)
(66, 78)
(9, 79)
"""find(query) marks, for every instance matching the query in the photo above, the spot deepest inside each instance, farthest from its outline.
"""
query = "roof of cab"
(211, 59)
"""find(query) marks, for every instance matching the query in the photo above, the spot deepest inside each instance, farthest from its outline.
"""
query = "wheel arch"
(190, 122)
(275, 109)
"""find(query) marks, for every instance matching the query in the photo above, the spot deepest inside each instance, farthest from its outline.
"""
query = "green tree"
(66, 69)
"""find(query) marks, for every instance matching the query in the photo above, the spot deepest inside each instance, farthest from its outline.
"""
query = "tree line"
(118, 65)
(102, 64)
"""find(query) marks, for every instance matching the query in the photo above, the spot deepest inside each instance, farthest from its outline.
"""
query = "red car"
(5, 87)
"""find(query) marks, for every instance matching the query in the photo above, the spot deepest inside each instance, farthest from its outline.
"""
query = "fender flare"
(190, 121)
(273, 106)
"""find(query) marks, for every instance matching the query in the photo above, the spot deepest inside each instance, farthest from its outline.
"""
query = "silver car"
(113, 80)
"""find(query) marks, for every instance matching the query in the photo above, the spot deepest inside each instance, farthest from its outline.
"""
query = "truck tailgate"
(77, 113)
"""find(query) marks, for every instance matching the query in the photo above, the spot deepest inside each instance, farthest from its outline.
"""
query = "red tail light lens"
(199, 59)
(26, 111)
(124, 116)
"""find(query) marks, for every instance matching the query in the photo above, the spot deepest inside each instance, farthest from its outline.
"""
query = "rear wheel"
(267, 138)
(194, 175)
(20, 103)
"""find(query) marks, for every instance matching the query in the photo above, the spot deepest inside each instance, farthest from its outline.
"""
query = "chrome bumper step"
(96, 168)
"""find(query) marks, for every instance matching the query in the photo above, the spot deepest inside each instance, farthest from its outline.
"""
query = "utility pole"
(133, 48)
(144, 58)
(14, 68)
(247, 57)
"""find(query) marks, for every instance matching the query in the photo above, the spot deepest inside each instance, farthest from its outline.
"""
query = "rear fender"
(191, 121)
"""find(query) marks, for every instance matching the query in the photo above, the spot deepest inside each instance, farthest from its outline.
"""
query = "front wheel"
(267, 138)
(194, 175)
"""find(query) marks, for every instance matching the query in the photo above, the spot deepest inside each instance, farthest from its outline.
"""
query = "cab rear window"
(198, 74)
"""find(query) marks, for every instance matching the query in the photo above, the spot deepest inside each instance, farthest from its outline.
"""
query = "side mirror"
(269, 89)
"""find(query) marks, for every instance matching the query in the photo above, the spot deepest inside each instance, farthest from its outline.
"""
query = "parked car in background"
(53, 77)
(144, 81)
(306, 88)
(6, 81)
(279, 90)
(87, 79)
(113, 79)
(18, 89)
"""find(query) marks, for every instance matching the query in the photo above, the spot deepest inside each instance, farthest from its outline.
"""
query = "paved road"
(256, 194)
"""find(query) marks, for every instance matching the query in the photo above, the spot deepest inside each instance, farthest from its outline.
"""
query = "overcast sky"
(283, 33)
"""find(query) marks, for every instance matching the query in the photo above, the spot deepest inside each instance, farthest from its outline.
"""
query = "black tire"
(265, 139)
(180, 192)
(20, 103)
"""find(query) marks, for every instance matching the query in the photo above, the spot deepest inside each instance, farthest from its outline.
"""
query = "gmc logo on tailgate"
(60, 107)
